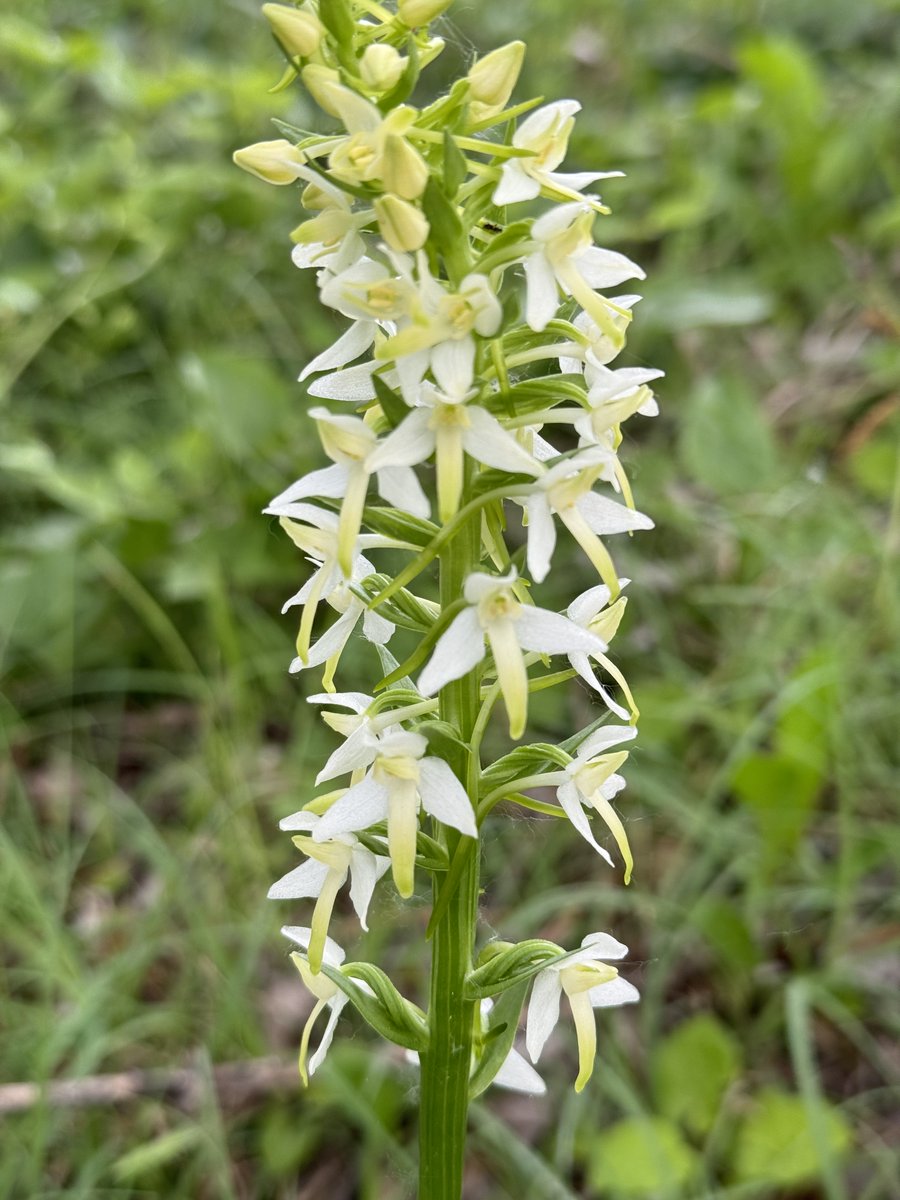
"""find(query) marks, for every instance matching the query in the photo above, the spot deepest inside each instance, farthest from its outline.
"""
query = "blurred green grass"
(152, 327)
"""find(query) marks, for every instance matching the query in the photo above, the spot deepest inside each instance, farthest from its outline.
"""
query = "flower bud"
(320, 82)
(380, 67)
(492, 78)
(275, 162)
(298, 30)
(401, 224)
(419, 12)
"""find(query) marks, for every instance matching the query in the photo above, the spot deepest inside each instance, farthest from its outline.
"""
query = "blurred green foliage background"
(152, 328)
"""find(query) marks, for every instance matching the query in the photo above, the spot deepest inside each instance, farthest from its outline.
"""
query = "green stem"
(447, 1062)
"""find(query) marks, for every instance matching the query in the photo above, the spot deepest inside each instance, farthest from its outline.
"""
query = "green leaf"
(500, 1034)
(446, 226)
(775, 1145)
(781, 793)
(337, 17)
(391, 522)
(642, 1156)
(387, 1012)
(443, 739)
(524, 760)
(726, 443)
(405, 85)
(691, 1070)
(392, 403)
(423, 649)
(158, 1153)
(455, 169)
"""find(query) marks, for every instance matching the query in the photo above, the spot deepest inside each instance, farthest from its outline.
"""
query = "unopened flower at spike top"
(401, 224)
(299, 30)
(566, 490)
(592, 610)
(361, 731)
(331, 239)
(516, 1073)
(401, 780)
(380, 67)
(545, 133)
(492, 78)
(416, 13)
(495, 617)
(567, 258)
(590, 779)
(323, 875)
(327, 995)
(444, 425)
(277, 161)
(589, 982)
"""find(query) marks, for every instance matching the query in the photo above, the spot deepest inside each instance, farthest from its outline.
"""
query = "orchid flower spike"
(495, 617)
(589, 982)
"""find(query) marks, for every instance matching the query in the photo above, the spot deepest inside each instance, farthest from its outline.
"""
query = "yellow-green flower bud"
(400, 223)
(298, 30)
(380, 67)
(275, 162)
(320, 82)
(492, 78)
(419, 12)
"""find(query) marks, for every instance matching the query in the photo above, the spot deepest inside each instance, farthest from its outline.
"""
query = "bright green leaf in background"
(775, 1145)
(691, 1070)
(641, 1156)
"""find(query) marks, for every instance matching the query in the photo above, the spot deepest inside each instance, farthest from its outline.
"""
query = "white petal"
(582, 664)
(551, 633)
(357, 702)
(603, 946)
(515, 185)
(541, 536)
(578, 180)
(333, 578)
(298, 821)
(519, 1075)
(611, 995)
(407, 445)
(335, 1007)
(570, 802)
(444, 797)
(603, 739)
(357, 750)
(304, 881)
(301, 934)
(542, 299)
(332, 641)
(362, 806)
(366, 869)
(330, 482)
(401, 488)
(606, 516)
(601, 268)
(376, 629)
(352, 385)
(543, 1012)
(452, 364)
(488, 442)
(410, 373)
(588, 604)
(459, 648)
(351, 344)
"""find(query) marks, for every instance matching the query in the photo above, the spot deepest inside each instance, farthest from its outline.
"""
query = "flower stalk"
(471, 384)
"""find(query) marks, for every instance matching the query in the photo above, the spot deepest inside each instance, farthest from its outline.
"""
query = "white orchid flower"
(495, 617)
(402, 780)
(516, 1072)
(349, 443)
(545, 133)
(437, 331)
(598, 346)
(592, 610)
(361, 732)
(330, 646)
(323, 875)
(591, 780)
(330, 240)
(372, 298)
(567, 258)
(589, 982)
(315, 531)
(566, 490)
(377, 150)
(327, 995)
(444, 425)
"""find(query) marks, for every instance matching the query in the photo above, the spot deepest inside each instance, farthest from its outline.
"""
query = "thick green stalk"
(445, 1066)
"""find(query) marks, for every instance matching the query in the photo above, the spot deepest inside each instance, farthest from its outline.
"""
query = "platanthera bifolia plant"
(468, 411)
